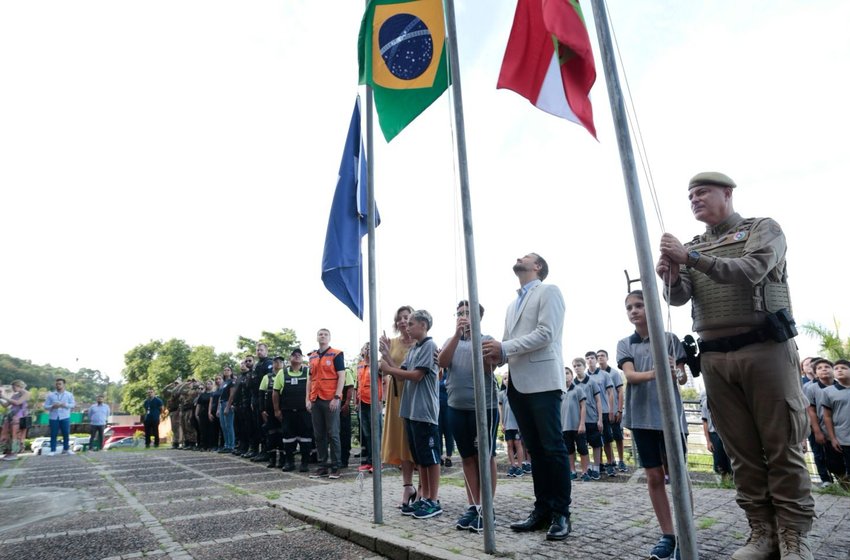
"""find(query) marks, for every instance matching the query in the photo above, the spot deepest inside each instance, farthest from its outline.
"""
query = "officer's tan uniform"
(754, 391)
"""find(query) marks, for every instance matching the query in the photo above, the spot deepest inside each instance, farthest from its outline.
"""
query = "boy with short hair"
(606, 395)
(593, 417)
(513, 440)
(420, 405)
(826, 461)
(573, 415)
(836, 416)
(722, 464)
(619, 402)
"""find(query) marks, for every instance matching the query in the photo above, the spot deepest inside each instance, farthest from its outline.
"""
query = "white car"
(128, 441)
(78, 443)
(38, 443)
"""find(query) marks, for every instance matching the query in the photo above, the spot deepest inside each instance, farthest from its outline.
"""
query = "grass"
(834, 490)
(706, 523)
(640, 523)
(603, 501)
(238, 491)
(452, 481)
(2, 479)
(272, 495)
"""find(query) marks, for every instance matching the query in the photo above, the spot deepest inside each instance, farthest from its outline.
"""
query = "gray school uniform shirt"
(508, 418)
(420, 400)
(618, 380)
(837, 399)
(590, 390)
(459, 384)
(604, 382)
(814, 393)
(571, 408)
(706, 413)
(643, 410)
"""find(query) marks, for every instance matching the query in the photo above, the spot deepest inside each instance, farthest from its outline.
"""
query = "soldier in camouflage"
(187, 393)
(172, 403)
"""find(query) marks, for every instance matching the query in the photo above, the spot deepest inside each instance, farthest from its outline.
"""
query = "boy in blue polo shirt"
(826, 460)
(419, 407)
(836, 416)
(643, 416)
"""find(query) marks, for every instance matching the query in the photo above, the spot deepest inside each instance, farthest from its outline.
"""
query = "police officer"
(263, 368)
(289, 400)
(735, 277)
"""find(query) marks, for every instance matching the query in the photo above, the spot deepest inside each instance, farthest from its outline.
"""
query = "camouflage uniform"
(172, 403)
(187, 393)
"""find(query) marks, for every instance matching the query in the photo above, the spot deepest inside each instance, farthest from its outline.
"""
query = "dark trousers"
(538, 416)
(445, 428)
(819, 453)
(365, 416)
(151, 431)
(96, 439)
(344, 437)
(722, 465)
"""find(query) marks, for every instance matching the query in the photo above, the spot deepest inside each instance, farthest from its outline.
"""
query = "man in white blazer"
(531, 347)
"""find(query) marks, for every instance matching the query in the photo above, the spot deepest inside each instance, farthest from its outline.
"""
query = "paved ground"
(182, 505)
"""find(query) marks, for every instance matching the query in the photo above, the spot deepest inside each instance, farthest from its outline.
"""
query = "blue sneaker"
(428, 509)
(609, 470)
(586, 476)
(622, 467)
(594, 474)
(664, 549)
(526, 468)
(573, 476)
(467, 518)
(477, 525)
(411, 509)
(511, 472)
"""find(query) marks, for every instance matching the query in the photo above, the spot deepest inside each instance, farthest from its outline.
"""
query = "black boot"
(273, 460)
(289, 457)
(306, 448)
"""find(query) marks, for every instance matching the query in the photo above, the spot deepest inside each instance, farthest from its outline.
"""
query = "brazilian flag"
(402, 55)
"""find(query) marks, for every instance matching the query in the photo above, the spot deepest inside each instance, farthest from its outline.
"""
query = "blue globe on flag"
(406, 46)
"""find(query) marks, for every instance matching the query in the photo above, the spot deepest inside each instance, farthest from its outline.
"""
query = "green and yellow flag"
(402, 55)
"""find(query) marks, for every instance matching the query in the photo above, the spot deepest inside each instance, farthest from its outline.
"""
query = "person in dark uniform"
(271, 424)
(264, 367)
(735, 277)
(244, 424)
(289, 397)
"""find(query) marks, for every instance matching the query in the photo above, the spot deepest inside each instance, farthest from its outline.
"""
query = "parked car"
(78, 443)
(121, 443)
(38, 443)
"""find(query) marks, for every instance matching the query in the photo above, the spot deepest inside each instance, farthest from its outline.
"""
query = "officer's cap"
(296, 351)
(279, 359)
(711, 178)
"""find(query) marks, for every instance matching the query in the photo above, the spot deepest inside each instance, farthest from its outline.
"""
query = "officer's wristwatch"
(693, 258)
(337, 397)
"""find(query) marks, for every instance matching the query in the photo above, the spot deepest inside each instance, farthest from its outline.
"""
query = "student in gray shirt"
(456, 356)
(643, 416)
(573, 413)
(836, 415)
(593, 420)
(420, 406)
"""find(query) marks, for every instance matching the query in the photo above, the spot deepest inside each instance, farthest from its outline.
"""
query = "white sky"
(166, 168)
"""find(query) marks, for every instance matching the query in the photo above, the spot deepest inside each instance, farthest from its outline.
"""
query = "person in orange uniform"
(364, 401)
(324, 395)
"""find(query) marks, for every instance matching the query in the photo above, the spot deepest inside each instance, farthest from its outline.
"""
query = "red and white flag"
(549, 60)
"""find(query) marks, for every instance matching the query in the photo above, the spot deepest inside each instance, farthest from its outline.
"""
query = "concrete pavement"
(183, 504)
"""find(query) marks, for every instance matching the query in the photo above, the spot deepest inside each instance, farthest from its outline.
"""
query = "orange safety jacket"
(364, 383)
(323, 375)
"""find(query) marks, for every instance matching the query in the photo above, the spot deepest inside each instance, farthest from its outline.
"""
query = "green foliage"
(85, 383)
(689, 394)
(279, 343)
(830, 341)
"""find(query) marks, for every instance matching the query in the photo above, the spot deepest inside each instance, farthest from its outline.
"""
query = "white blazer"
(532, 341)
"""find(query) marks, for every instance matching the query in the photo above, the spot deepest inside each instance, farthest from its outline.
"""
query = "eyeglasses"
(462, 313)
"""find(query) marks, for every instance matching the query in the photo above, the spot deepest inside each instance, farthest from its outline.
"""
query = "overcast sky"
(166, 168)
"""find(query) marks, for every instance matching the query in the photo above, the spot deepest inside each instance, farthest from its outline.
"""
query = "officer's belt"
(733, 343)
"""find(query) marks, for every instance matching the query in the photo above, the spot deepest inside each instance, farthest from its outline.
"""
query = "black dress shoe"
(559, 529)
(535, 520)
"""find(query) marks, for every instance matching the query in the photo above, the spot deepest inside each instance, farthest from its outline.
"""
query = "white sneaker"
(68, 452)
(49, 453)
(825, 484)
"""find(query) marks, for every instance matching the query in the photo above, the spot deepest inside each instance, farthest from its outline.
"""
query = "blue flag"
(342, 261)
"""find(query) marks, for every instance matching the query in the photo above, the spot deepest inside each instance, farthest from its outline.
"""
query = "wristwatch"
(337, 397)
(693, 258)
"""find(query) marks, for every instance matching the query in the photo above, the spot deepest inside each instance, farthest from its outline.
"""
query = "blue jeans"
(445, 427)
(539, 418)
(226, 420)
(55, 426)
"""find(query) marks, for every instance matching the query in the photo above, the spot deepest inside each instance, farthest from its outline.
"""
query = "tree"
(206, 364)
(830, 341)
(279, 343)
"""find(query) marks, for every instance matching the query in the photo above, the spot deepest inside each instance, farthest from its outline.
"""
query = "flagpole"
(375, 408)
(672, 435)
(478, 374)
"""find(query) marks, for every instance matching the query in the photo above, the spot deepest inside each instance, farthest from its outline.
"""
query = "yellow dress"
(394, 446)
